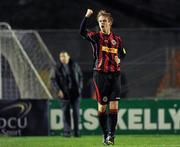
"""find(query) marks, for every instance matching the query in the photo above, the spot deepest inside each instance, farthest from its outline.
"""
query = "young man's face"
(64, 58)
(104, 24)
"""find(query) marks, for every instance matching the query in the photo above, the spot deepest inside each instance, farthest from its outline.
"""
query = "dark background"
(67, 14)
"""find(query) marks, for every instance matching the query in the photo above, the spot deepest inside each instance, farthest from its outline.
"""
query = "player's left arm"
(121, 52)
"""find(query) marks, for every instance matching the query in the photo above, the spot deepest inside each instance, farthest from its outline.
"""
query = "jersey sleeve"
(122, 50)
(90, 36)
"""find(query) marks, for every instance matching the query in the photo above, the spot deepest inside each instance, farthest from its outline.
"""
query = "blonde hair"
(105, 14)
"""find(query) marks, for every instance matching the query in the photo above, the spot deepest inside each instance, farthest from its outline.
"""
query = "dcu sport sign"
(23, 117)
(134, 117)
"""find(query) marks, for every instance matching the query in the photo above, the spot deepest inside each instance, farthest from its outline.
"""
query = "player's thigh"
(102, 87)
(116, 87)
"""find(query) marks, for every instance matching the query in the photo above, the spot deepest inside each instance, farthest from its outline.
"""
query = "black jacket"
(59, 82)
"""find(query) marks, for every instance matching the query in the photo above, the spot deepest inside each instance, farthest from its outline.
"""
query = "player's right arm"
(83, 30)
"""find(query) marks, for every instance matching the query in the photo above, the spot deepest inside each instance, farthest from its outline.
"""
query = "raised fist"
(89, 12)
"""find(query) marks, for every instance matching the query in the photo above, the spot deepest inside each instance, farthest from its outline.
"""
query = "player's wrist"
(119, 61)
(87, 15)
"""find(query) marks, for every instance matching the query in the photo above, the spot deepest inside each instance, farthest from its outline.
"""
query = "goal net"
(25, 64)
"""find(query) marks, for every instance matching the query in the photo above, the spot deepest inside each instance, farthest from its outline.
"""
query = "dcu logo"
(13, 118)
(19, 110)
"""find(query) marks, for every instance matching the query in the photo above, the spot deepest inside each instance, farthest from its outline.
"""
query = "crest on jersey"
(105, 99)
(113, 42)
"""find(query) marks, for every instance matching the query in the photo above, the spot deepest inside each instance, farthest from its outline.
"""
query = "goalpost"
(29, 61)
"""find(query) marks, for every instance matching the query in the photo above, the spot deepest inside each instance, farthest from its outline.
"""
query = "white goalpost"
(29, 61)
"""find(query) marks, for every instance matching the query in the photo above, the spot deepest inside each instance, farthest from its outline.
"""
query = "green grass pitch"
(92, 141)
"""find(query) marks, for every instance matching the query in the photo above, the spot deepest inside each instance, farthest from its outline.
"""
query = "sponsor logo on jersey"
(106, 41)
(109, 50)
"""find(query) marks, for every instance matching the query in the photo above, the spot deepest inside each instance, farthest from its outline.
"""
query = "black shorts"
(107, 86)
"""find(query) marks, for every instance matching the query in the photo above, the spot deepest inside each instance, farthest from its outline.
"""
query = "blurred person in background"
(108, 53)
(67, 81)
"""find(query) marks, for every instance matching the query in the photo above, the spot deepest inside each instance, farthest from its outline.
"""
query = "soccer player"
(108, 52)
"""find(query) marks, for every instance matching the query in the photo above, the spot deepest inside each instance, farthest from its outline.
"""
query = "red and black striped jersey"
(105, 48)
